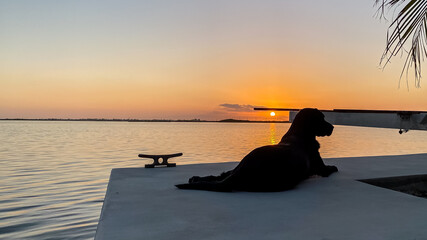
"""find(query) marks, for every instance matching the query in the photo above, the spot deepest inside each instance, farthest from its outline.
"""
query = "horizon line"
(139, 120)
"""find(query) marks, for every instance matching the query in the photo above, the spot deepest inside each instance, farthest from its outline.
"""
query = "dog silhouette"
(276, 167)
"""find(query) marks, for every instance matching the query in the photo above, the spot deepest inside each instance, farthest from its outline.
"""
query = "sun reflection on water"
(272, 139)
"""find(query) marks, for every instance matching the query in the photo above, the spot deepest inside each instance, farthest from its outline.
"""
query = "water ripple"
(54, 174)
(16, 227)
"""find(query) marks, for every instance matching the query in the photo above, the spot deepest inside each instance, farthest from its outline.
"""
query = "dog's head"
(311, 122)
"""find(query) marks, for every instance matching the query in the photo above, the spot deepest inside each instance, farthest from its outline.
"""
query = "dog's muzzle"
(325, 130)
(331, 129)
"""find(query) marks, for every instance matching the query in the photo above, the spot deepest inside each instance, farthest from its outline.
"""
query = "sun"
(272, 114)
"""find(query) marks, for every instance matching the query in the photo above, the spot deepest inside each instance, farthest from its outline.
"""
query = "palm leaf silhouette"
(411, 20)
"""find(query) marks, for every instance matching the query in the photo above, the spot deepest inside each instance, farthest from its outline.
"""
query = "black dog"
(276, 167)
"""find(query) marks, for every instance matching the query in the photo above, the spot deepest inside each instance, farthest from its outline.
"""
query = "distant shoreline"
(136, 120)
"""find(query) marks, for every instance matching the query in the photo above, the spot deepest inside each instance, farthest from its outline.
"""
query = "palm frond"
(411, 21)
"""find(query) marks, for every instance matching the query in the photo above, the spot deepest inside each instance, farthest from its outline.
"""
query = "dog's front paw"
(332, 169)
(328, 170)
(194, 179)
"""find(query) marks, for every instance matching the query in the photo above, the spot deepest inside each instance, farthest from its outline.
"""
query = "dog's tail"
(207, 186)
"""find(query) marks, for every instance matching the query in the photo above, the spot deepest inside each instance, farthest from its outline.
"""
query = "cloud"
(238, 107)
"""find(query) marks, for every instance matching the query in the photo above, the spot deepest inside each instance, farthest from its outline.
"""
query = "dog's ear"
(316, 120)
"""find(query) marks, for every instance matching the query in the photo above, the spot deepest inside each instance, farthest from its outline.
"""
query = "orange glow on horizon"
(160, 65)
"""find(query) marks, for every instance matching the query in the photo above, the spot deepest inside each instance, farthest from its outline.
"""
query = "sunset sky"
(195, 59)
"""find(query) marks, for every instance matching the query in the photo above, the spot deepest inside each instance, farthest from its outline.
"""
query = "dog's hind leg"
(208, 186)
(210, 178)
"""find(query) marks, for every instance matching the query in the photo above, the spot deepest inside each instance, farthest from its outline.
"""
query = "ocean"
(54, 174)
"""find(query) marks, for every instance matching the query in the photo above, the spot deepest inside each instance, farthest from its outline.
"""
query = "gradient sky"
(194, 59)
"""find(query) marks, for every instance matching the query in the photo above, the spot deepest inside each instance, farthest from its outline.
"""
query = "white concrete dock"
(144, 204)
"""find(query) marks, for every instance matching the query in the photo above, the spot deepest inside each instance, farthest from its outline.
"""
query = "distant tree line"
(230, 120)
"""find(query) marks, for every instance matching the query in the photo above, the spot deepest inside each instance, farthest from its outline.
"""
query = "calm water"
(54, 175)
